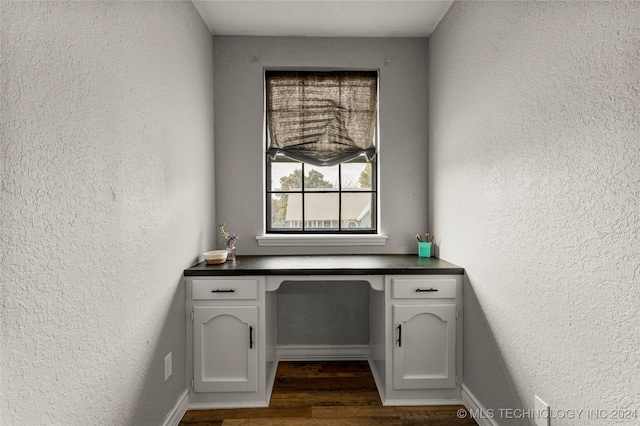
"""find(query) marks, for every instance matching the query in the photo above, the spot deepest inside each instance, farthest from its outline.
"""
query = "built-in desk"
(415, 348)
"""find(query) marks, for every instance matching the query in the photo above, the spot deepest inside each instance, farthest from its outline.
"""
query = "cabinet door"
(225, 348)
(424, 346)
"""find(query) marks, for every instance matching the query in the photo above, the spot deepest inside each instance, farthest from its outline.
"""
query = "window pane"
(286, 176)
(321, 211)
(320, 177)
(357, 210)
(286, 211)
(356, 175)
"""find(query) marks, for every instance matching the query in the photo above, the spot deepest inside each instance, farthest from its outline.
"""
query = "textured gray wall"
(534, 188)
(107, 195)
(239, 134)
(238, 82)
(323, 313)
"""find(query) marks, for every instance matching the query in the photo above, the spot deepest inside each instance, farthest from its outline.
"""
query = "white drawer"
(225, 289)
(423, 288)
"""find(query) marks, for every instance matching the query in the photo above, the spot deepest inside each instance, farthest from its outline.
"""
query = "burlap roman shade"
(321, 118)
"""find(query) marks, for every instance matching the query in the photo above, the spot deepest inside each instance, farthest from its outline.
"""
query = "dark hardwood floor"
(327, 393)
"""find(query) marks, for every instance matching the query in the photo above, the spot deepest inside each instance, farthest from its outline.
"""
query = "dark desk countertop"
(345, 264)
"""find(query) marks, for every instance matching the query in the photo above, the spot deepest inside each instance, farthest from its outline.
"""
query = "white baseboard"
(323, 353)
(177, 413)
(477, 411)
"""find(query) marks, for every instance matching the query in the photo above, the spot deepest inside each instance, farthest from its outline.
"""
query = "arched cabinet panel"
(225, 348)
(424, 349)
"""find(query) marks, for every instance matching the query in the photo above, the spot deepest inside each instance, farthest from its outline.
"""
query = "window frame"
(296, 238)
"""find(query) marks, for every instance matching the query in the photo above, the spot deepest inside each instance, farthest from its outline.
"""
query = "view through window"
(304, 197)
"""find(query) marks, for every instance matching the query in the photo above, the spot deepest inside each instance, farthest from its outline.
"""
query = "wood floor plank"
(351, 411)
(296, 399)
(324, 384)
(203, 423)
(289, 369)
(364, 421)
(327, 393)
(194, 416)
(433, 416)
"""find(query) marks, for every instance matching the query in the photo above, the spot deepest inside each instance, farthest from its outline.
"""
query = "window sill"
(320, 240)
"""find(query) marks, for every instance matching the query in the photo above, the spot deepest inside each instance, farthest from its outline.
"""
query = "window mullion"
(302, 185)
(339, 197)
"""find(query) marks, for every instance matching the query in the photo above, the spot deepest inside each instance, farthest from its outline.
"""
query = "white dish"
(215, 257)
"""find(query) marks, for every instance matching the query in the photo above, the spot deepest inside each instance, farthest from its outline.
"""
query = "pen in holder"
(424, 249)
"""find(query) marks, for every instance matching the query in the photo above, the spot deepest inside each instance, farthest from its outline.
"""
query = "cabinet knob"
(400, 335)
(423, 290)
(223, 291)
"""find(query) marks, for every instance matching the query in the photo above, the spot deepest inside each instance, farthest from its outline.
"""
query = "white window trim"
(306, 240)
(322, 240)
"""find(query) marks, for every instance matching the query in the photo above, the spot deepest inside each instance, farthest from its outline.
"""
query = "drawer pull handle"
(400, 335)
(223, 291)
(423, 290)
(250, 337)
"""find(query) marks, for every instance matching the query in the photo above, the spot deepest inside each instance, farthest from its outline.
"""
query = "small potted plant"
(230, 241)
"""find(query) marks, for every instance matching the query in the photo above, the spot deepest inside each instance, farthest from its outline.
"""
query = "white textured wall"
(239, 116)
(535, 189)
(107, 195)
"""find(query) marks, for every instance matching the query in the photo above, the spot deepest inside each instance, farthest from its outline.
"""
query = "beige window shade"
(321, 118)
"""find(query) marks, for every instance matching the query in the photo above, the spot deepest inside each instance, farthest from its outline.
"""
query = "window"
(321, 152)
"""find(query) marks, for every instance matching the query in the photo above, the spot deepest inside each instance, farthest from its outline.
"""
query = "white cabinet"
(421, 332)
(228, 341)
(225, 348)
(415, 330)
(424, 350)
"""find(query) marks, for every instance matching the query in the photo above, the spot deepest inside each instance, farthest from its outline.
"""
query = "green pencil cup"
(424, 249)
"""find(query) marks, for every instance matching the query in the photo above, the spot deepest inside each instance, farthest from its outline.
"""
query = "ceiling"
(329, 18)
